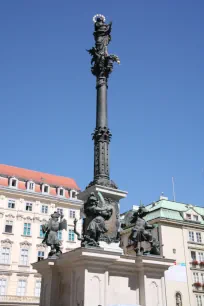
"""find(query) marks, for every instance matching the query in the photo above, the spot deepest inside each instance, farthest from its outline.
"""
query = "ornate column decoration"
(102, 66)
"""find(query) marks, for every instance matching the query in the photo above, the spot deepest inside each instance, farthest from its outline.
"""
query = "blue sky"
(47, 93)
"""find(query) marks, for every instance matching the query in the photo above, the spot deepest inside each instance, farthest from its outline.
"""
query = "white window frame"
(188, 216)
(195, 218)
(37, 288)
(58, 191)
(12, 202)
(71, 213)
(201, 256)
(71, 229)
(60, 210)
(11, 180)
(27, 227)
(199, 240)
(195, 255)
(43, 209)
(196, 277)
(3, 280)
(199, 300)
(40, 256)
(5, 256)
(75, 194)
(43, 186)
(191, 236)
(21, 292)
(24, 257)
(29, 205)
(28, 186)
(9, 223)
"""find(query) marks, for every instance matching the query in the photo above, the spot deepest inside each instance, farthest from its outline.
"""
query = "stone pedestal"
(92, 277)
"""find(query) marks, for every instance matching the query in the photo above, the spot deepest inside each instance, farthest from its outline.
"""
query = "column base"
(92, 277)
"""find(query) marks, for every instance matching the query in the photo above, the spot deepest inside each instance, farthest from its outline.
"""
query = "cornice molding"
(39, 196)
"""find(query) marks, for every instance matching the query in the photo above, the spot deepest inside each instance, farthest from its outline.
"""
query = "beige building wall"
(12, 267)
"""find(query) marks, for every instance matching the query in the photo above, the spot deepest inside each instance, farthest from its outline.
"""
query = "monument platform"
(95, 277)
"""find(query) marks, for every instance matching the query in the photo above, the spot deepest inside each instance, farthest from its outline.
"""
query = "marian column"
(102, 66)
(102, 196)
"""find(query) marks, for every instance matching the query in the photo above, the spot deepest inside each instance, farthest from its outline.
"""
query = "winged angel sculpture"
(51, 229)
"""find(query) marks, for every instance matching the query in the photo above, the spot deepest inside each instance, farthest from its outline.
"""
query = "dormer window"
(73, 194)
(13, 182)
(45, 188)
(195, 217)
(188, 216)
(60, 191)
(30, 185)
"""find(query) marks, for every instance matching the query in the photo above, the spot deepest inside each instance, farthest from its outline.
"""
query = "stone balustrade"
(22, 299)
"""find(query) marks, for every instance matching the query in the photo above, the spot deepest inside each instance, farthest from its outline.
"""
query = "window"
(195, 217)
(37, 288)
(45, 188)
(2, 286)
(174, 251)
(13, 182)
(188, 216)
(5, 255)
(193, 255)
(44, 209)
(195, 277)
(60, 191)
(198, 237)
(11, 204)
(41, 255)
(42, 235)
(29, 206)
(191, 236)
(27, 229)
(60, 211)
(21, 287)
(73, 194)
(30, 186)
(71, 236)
(59, 234)
(202, 278)
(200, 256)
(198, 300)
(72, 214)
(9, 226)
(24, 257)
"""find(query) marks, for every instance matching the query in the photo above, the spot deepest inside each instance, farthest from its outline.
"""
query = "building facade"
(27, 199)
(180, 228)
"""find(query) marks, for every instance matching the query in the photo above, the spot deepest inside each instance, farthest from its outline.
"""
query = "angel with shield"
(51, 229)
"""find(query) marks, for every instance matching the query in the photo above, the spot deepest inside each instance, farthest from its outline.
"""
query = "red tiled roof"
(38, 177)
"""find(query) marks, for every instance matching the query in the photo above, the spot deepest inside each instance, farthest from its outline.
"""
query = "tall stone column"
(102, 186)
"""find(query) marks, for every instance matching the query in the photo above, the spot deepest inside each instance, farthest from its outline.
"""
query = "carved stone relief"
(25, 243)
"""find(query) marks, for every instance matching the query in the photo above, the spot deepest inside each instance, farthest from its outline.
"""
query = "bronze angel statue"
(51, 229)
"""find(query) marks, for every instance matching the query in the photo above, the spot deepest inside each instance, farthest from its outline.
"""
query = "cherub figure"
(51, 230)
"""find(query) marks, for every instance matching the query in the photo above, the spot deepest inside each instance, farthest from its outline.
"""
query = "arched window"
(178, 299)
